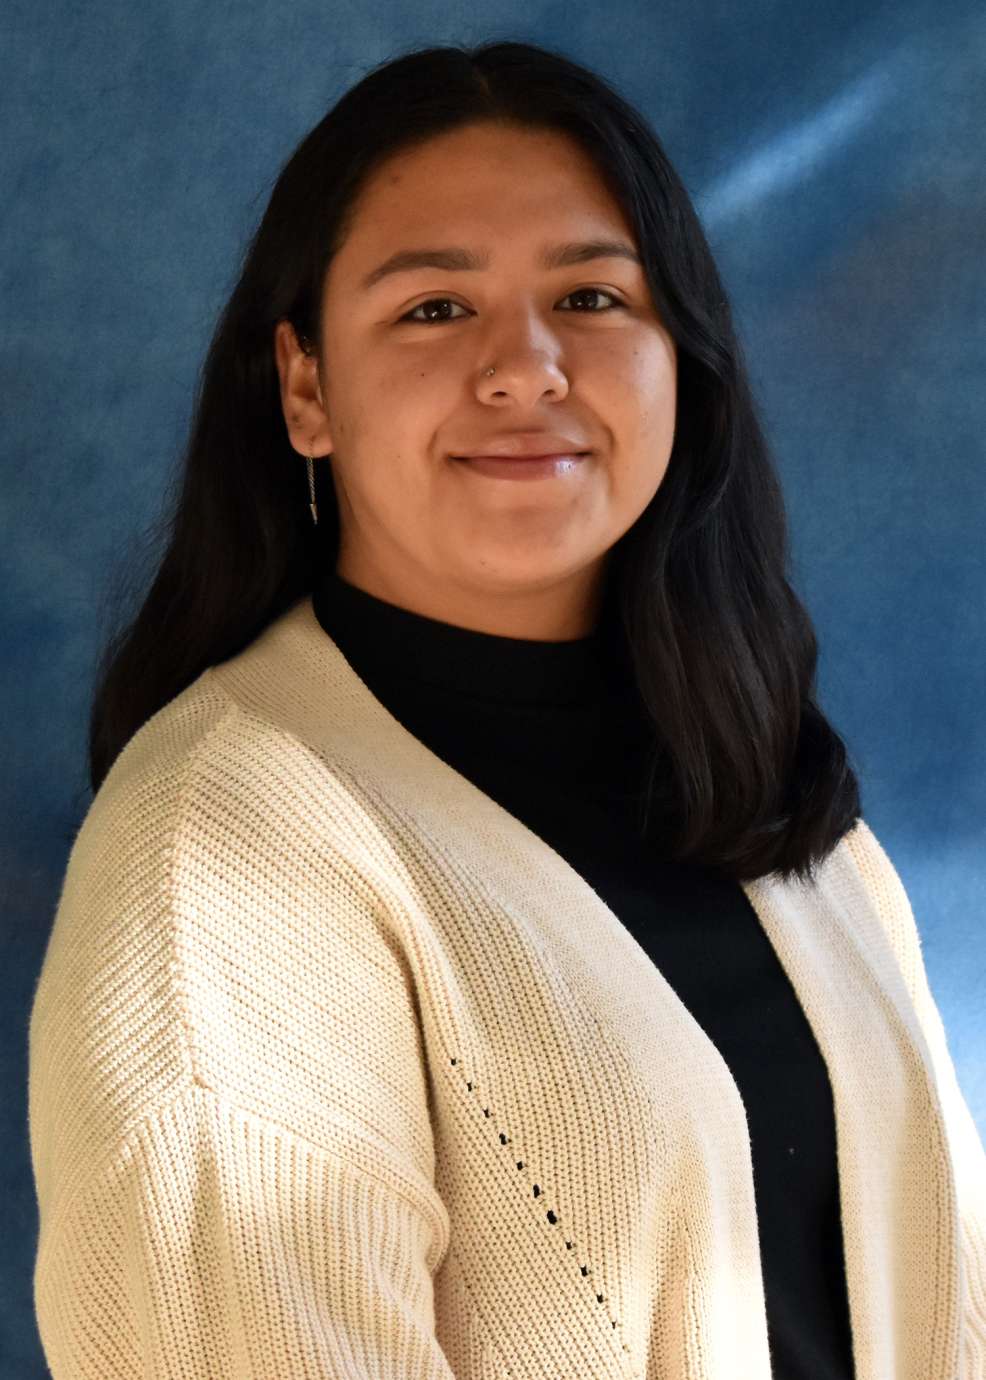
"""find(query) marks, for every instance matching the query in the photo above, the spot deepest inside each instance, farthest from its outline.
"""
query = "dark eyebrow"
(458, 260)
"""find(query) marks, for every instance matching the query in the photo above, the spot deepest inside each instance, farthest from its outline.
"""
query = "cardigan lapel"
(897, 1187)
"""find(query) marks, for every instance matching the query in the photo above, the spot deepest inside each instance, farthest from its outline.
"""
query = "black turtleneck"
(556, 734)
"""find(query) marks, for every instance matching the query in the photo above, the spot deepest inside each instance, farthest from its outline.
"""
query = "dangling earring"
(311, 486)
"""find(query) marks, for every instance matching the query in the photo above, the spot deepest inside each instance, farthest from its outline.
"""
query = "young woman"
(473, 962)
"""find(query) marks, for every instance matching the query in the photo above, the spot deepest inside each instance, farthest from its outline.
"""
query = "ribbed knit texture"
(337, 1069)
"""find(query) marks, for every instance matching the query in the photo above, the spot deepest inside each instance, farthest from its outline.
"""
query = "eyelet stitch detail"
(550, 1214)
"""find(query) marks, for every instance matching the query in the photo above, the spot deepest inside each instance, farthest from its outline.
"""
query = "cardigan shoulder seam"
(186, 769)
(234, 711)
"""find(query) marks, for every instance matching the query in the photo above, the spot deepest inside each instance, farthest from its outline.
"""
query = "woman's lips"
(522, 466)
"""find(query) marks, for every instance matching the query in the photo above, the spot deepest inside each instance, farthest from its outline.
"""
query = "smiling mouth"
(559, 455)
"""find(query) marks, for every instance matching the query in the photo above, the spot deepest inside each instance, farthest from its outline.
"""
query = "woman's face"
(579, 351)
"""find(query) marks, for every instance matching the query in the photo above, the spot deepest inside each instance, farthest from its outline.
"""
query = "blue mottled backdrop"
(836, 156)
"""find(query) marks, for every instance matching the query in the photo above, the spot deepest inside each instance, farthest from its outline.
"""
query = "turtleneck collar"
(483, 665)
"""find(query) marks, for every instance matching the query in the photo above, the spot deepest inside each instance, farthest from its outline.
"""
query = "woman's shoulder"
(217, 874)
(202, 756)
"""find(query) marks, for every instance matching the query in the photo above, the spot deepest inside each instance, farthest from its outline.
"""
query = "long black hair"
(753, 778)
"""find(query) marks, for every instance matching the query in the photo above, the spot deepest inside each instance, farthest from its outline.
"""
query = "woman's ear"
(301, 393)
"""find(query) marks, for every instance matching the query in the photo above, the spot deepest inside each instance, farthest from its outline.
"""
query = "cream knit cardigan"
(337, 1070)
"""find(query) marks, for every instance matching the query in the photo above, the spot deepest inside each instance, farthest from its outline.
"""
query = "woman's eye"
(447, 301)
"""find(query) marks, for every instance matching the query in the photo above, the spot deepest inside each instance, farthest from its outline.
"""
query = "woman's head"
(397, 385)
(506, 149)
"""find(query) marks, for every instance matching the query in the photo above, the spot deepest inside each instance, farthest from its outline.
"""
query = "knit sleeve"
(966, 1147)
(228, 1098)
(216, 1243)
